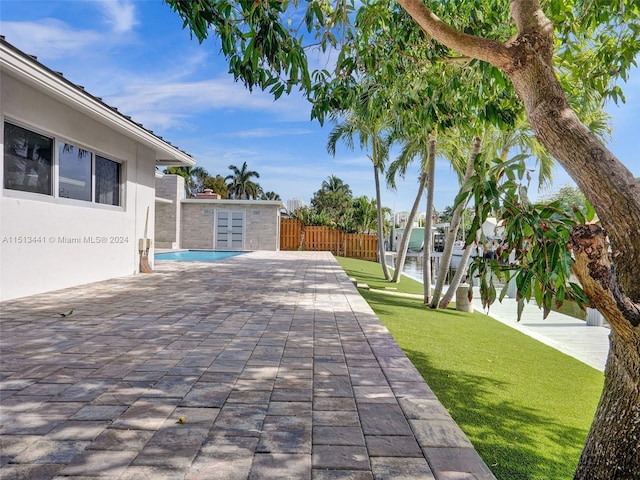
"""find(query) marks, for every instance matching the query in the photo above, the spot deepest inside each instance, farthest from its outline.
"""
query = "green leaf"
(492, 293)
(520, 303)
(546, 303)
(591, 212)
(538, 292)
(560, 296)
(553, 256)
(579, 215)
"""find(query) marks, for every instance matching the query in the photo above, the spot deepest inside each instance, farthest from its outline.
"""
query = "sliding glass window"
(108, 175)
(27, 160)
(81, 174)
(75, 172)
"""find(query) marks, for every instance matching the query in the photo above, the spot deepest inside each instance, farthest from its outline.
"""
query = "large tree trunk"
(611, 450)
(452, 233)
(428, 223)
(406, 236)
(381, 256)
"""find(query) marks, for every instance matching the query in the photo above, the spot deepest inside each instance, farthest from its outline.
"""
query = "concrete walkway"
(589, 344)
(278, 367)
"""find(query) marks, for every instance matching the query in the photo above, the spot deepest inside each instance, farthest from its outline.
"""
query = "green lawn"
(525, 406)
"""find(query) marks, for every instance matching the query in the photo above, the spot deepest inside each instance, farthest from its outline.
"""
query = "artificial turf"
(526, 407)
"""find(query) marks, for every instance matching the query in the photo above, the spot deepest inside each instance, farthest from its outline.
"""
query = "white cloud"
(359, 160)
(144, 101)
(270, 132)
(120, 15)
(48, 38)
(51, 38)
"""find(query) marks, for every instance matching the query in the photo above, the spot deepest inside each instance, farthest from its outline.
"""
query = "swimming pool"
(196, 255)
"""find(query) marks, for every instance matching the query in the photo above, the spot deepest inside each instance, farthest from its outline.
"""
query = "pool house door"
(229, 230)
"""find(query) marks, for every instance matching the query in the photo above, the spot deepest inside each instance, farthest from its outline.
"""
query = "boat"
(416, 241)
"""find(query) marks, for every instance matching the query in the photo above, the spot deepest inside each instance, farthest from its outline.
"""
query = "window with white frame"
(74, 172)
(108, 175)
(81, 174)
(28, 160)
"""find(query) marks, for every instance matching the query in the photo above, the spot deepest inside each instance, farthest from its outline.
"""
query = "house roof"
(27, 68)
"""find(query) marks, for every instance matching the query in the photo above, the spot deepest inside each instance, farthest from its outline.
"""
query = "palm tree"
(415, 138)
(198, 176)
(521, 138)
(364, 214)
(194, 178)
(335, 185)
(450, 238)
(270, 196)
(241, 186)
(368, 121)
(334, 199)
(498, 144)
(428, 221)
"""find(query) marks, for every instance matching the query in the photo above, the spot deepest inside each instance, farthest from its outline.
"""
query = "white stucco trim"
(27, 69)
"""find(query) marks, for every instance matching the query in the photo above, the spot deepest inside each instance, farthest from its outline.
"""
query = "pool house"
(208, 222)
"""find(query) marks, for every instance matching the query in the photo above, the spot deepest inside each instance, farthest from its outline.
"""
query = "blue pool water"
(196, 255)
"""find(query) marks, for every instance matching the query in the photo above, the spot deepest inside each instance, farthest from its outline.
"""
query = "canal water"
(413, 267)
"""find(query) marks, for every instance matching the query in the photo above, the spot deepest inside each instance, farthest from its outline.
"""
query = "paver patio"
(279, 367)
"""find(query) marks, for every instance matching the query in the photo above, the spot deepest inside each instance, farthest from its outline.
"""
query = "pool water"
(196, 255)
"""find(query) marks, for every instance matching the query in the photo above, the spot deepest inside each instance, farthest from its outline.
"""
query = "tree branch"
(492, 51)
(526, 14)
(592, 266)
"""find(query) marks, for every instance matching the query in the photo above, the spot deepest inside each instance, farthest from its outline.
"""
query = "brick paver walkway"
(278, 366)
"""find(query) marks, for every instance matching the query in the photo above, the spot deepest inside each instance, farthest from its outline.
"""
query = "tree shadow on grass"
(387, 304)
(516, 441)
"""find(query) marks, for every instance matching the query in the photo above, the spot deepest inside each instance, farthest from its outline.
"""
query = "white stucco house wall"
(76, 183)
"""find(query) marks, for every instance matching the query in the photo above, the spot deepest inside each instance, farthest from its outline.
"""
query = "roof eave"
(15, 62)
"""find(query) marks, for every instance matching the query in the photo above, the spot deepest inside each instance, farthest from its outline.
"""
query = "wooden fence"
(295, 236)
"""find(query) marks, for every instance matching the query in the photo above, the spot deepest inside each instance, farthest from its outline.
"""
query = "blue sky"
(136, 56)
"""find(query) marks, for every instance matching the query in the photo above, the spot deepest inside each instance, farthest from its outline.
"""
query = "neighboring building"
(400, 219)
(210, 223)
(77, 182)
(294, 204)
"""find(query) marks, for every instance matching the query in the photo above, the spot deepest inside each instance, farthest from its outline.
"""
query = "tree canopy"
(553, 55)
(334, 198)
(241, 186)
(238, 184)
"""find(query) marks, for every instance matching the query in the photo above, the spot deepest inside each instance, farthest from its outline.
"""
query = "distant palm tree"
(368, 120)
(194, 178)
(335, 184)
(365, 216)
(241, 186)
(270, 196)
(198, 176)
